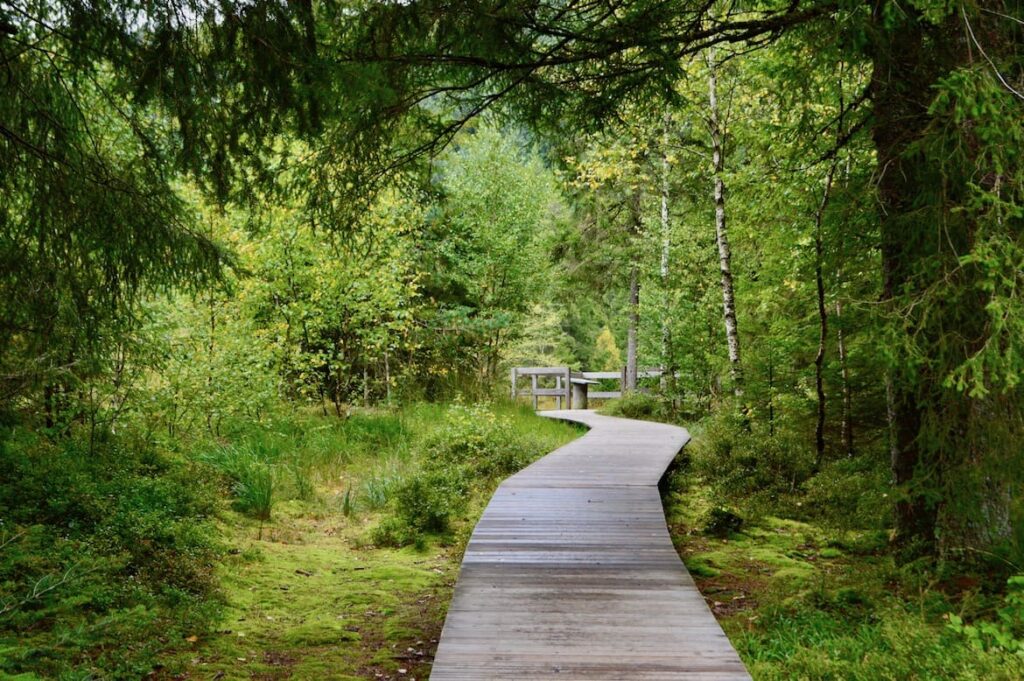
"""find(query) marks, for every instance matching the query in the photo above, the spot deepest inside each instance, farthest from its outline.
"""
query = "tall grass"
(251, 476)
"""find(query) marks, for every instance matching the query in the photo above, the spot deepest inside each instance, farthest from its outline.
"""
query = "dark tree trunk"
(909, 57)
(819, 359)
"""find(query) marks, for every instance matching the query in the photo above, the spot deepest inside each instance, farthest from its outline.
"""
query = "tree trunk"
(847, 394)
(910, 56)
(771, 389)
(819, 278)
(634, 322)
(721, 231)
(668, 375)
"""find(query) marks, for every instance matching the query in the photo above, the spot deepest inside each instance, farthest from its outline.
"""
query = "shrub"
(637, 405)
(851, 493)
(393, 532)
(427, 501)
(721, 522)
(1006, 631)
(743, 462)
(476, 437)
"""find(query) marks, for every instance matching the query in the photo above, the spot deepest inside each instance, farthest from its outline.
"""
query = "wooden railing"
(568, 387)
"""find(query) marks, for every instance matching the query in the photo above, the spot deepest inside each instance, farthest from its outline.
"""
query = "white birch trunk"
(634, 321)
(721, 232)
(666, 244)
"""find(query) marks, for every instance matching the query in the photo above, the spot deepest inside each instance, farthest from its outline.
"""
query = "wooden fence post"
(568, 387)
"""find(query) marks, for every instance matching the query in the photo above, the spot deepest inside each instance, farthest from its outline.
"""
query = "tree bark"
(634, 322)
(668, 375)
(844, 371)
(819, 278)
(909, 58)
(721, 230)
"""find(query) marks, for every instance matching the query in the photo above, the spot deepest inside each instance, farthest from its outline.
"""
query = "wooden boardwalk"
(571, 573)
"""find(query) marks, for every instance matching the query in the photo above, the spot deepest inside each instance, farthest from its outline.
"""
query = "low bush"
(756, 466)
(427, 501)
(721, 522)
(1005, 631)
(463, 457)
(638, 405)
(477, 438)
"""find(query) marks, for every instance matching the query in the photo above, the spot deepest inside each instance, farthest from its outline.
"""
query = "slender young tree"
(721, 231)
(668, 375)
(819, 280)
(633, 303)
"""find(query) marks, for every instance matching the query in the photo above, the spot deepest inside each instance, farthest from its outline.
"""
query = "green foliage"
(251, 477)
(427, 501)
(467, 450)
(722, 522)
(810, 600)
(1006, 631)
(748, 464)
(637, 405)
(480, 440)
(606, 355)
(377, 489)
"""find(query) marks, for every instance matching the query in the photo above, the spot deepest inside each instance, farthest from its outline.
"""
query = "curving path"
(571, 573)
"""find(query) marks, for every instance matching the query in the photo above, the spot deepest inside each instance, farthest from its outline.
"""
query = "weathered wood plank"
(571, 573)
(601, 374)
(604, 394)
(541, 371)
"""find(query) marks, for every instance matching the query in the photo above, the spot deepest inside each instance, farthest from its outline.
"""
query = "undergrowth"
(268, 552)
(107, 556)
(795, 564)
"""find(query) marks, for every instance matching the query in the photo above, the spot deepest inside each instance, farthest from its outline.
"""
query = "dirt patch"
(414, 655)
(730, 593)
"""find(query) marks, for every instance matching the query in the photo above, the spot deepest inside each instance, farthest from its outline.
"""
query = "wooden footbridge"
(571, 573)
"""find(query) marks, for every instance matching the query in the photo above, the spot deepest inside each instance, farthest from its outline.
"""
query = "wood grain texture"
(571, 573)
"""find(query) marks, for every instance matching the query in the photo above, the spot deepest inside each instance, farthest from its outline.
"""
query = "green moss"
(819, 602)
(307, 596)
(701, 567)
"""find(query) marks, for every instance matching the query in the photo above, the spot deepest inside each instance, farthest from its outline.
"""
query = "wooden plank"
(602, 374)
(571, 573)
(541, 371)
(604, 394)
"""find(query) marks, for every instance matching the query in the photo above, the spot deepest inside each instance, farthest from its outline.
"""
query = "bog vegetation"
(264, 266)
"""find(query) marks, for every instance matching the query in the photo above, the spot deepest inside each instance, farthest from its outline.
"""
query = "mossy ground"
(307, 600)
(308, 595)
(801, 600)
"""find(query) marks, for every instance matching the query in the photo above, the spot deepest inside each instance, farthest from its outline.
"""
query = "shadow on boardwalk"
(571, 573)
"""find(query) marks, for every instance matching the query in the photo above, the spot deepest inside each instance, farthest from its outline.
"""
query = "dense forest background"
(265, 263)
